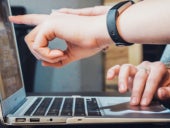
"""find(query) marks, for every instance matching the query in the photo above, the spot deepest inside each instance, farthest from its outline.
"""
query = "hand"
(85, 36)
(144, 81)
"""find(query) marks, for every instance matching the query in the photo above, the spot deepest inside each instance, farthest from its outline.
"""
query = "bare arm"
(146, 22)
(86, 33)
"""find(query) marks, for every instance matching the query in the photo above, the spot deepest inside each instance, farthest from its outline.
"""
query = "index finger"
(153, 81)
(29, 19)
(126, 71)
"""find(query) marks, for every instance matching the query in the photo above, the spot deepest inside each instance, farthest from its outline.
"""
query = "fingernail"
(144, 101)
(134, 101)
(109, 75)
(122, 87)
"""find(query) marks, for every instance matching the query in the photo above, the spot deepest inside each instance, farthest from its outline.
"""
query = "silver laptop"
(18, 109)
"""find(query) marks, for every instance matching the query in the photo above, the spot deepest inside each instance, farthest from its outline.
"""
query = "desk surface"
(126, 125)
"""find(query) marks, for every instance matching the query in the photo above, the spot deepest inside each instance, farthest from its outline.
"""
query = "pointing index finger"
(29, 19)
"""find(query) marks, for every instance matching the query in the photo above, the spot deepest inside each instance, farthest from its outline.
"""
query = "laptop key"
(79, 107)
(67, 107)
(33, 106)
(55, 107)
(92, 107)
(41, 110)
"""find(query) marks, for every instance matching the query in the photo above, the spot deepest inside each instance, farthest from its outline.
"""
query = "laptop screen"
(10, 77)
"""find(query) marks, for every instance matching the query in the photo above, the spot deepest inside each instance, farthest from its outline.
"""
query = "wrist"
(112, 17)
(102, 37)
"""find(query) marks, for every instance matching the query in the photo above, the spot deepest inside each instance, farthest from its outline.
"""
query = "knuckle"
(160, 64)
(140, 75)
(125, 66)
(35, 47)
(145, 62)
(161, 67)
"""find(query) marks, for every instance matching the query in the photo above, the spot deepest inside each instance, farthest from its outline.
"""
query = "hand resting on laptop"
(146, 81)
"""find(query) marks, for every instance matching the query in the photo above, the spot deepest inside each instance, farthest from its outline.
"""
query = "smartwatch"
(112, 15)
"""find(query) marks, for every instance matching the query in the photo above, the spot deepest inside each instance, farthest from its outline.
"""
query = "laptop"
(18, 109)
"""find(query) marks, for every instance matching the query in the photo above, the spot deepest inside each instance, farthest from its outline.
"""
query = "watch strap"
(111, 23)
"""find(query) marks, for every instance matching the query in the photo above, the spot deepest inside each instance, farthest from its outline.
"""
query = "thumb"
(164, 93)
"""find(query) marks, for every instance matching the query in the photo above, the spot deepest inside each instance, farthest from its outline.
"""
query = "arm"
(87, 34)
(146, 22)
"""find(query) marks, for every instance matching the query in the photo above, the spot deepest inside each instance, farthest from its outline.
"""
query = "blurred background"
(86, 75)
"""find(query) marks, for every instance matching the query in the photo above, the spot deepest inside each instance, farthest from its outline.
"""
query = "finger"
(49, 55)
(52, 54)
(130, 83)
(113, 72)
(126, 71)
(166, 79)
(152, 83)
(40, 45)
(62, 61)
(29, 39)
(164, 93)
(29, 19)
(92, 11)
(138, 86)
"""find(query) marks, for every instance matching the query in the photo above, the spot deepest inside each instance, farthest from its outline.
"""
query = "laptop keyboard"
(64, 107)
(42, 108)
(55, 107)
(34, 105)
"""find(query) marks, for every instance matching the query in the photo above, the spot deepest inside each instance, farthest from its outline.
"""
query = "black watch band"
(112, 15)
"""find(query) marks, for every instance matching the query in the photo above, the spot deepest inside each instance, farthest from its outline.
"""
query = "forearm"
(146, 22)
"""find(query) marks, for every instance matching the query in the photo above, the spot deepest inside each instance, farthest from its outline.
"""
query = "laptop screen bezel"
(11, 102)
